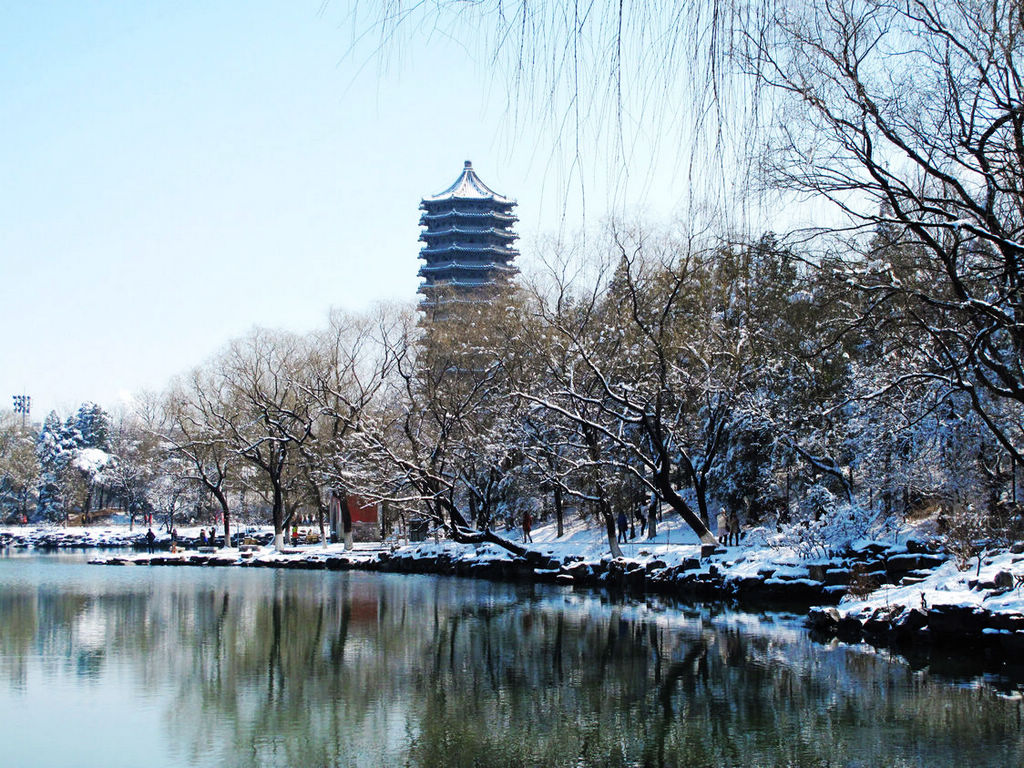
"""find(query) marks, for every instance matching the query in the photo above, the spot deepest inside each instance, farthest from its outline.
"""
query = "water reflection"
(265, 668)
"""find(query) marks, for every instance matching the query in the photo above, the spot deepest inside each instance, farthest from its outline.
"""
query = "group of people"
(622, 523)
(204, 539)
(728, 528)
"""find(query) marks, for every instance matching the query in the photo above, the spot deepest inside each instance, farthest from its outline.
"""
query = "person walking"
(723, 527)
(527, 526)
(640, 519)
(623, 527)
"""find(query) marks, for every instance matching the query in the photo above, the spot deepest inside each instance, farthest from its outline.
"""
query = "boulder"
(880, 621)
(707, 550)
(635, 579)
(909, 622)
(837, 576)
(825, 619)
(848, 628)
(956, 622)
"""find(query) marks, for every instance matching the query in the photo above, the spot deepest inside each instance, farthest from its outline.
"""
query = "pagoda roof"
(440, 285)
(502, 233)
(463, 248)
(435, 216)
(468, 187)
(469, 267)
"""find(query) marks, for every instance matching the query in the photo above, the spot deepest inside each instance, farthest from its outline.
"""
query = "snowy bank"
(982, 607)
(53, 537)
(887, 593)
(672, 563)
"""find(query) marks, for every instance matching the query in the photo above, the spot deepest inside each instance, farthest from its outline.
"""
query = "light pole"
(22, 405)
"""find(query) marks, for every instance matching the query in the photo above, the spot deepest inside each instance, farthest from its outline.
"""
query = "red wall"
(362, 510)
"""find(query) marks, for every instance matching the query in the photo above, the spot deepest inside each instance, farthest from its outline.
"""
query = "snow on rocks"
(887, 593)
(982, 606)
(55, 537)
(672, 563)
(105, 537)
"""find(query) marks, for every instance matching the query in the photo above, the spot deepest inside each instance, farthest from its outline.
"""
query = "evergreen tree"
(53, 458)
(91, 427)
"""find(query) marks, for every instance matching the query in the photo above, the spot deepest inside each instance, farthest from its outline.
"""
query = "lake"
(162, 666)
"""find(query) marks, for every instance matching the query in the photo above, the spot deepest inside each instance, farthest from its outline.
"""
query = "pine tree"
(91, 426)
(53, 457)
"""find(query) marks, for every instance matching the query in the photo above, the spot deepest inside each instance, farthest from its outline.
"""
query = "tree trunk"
(593, 452)
(277, 513)
(559, 510)
(609, 525)
(700, 490)
(346, 523)
(223, 501)
(462, 533)
(674, 500)
(321, 514)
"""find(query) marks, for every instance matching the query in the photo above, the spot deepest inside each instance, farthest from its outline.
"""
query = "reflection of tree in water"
(18, 630)
(579, 687)
(75, 630)
(289, 668)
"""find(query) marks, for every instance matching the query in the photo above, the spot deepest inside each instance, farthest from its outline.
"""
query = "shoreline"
(903, 596)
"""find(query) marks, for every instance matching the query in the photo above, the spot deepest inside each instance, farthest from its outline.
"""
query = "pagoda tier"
(460, 234)
(467, 241)
(475, 216)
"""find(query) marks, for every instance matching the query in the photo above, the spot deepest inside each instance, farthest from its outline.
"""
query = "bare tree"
(270, 414)
(352, 360)
(195, 413)
(442, 417)
(651, 370)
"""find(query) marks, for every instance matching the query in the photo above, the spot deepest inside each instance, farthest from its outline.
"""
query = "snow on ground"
(673, 542)
(948, 586)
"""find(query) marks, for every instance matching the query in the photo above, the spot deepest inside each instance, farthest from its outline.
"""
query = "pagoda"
(468, 251)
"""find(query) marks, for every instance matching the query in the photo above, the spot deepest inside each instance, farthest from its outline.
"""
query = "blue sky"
(174, 173)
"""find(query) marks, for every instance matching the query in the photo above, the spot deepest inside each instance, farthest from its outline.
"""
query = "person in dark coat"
(527, 527)
(641, 521)
(623, 527)
(734, 529)
(150, 538)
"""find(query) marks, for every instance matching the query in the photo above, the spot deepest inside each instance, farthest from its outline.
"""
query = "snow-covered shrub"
(825, 525)
(965, 531)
